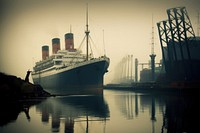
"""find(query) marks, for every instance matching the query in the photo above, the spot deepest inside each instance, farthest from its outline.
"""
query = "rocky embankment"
(15, 88)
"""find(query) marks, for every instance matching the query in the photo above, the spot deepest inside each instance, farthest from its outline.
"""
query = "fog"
(26, 25)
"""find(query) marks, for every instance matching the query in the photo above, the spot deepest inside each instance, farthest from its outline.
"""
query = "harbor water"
(113, 112)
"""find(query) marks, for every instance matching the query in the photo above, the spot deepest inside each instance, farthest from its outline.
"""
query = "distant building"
(146, 76)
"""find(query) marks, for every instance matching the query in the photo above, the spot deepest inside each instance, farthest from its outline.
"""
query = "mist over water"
(27, 25)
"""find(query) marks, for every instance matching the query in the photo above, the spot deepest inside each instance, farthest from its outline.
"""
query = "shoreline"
(13, 88)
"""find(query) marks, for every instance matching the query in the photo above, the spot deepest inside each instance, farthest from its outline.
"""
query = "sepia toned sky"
(26, 25)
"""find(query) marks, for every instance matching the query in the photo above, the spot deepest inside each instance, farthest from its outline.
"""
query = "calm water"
(113, 112)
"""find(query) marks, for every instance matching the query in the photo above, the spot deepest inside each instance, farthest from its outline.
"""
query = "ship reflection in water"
(112, 112)
(73, 109)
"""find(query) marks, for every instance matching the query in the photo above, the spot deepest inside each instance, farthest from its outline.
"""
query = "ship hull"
(83, 79)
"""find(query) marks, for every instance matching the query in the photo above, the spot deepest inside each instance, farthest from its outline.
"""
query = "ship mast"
(87, 32)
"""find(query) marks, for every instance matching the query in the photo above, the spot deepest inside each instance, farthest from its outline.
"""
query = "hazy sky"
(26, 25)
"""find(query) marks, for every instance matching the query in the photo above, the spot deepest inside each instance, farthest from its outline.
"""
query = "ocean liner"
(70, 71)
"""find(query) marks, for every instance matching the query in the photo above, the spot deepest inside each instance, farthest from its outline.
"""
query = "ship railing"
(77, 64)
(44, 70)
(91, 61)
